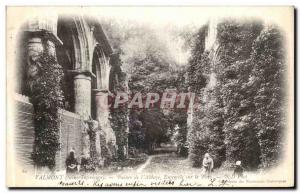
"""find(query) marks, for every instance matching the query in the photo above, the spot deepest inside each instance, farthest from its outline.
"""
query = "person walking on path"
(208, 164)
(238, 170)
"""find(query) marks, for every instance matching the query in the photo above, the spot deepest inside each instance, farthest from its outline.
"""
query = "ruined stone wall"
(40, 35)
(70, 138)
(23, 131)
(70, 134)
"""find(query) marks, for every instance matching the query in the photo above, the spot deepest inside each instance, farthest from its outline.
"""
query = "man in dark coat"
(71, 163)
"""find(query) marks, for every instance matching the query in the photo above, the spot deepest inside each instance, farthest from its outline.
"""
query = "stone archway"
(72, 56)
(100, 110)
(66, 57)
(100, 83)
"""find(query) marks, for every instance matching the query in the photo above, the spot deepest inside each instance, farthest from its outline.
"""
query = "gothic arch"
(100, 82)
(101, 69)
(71, 54)
(72, 33)
(83, 41)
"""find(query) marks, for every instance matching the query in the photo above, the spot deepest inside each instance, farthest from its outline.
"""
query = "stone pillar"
(40, 33)
(35, 47)
(102, 113)
(95, 152)
(86, 142)
(38, 43)
(82, 91)
(97, 143)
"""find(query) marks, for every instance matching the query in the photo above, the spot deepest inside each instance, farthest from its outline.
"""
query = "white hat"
(238, 163)
(72, 150)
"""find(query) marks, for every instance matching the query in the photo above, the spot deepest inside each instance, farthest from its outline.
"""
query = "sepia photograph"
(150, 97)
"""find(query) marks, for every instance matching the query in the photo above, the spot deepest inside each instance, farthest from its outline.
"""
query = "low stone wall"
(23, 131)
(72, 131)
(71, 127)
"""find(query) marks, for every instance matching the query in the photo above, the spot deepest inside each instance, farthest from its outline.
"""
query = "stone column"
(86, 144)
(82, 91)
(38, 42)
(34, 49)
(97, 143)
(40, 33)
(102, 113)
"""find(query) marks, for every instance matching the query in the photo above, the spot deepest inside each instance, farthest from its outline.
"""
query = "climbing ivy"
(197, 65)
(119, 116)
(47, 97)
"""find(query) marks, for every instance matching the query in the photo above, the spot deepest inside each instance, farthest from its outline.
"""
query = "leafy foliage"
(152, 65)
(239, 83)
(240, 117)
(118, 117)
(233, 70)
(268, 69)
(47, 97)
(179, 120)
(198, 63)
(136, 138)
(207, 133)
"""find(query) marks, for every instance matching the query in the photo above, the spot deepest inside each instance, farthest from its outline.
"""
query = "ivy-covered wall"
(240, 117)
(47, 98)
